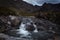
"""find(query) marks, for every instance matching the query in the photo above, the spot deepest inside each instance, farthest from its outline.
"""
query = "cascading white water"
(35, 28)
(22, 28)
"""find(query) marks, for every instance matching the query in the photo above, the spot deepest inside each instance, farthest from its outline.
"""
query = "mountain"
(51, 7)
(50, 12)
(19, 4)
(47, 10)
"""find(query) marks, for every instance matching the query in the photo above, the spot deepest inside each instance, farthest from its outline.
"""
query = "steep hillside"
(47, 11)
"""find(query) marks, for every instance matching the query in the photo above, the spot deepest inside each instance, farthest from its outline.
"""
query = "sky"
(41, 2)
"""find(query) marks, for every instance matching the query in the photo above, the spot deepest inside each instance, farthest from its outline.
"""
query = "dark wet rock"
(3, 24)
(2, 39)
(42, 35)
(7, 24)
(7, 37)
(45, 24)
(12, 33)
(58, 30)
(15, 21)
(11, 24)
(30, 28)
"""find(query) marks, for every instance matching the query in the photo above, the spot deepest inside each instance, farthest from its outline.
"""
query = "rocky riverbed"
(26, 28)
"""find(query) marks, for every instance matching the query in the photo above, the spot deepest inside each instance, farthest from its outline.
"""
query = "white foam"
(35, 28)
(22, 30)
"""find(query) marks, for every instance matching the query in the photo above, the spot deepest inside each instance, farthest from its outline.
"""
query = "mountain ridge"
(21, 5)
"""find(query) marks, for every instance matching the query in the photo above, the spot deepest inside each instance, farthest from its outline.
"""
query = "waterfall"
(22, 31)
(35, 28)
(22, 28)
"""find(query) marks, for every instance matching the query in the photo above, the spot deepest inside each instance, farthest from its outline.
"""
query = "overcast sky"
(41, 2)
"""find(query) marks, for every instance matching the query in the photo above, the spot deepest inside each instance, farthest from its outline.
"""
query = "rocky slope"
(51, 7)
(48, 11)
(10, 24)
(23, 5)
(19, 4)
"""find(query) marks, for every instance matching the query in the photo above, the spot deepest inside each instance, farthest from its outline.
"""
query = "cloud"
(33, 2)
(41, 2)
